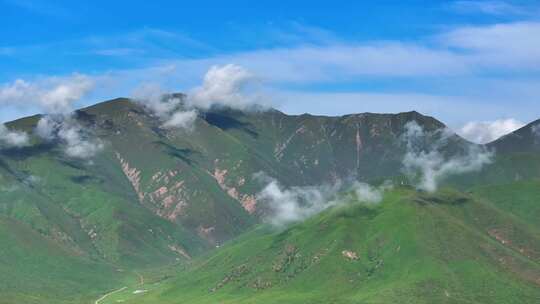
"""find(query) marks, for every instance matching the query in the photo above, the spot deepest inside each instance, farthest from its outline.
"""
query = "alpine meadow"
(346, 153)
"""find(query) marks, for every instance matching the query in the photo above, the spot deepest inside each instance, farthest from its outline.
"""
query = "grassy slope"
(34, 269)
(413, 248)
(521, 199)
(92, 212)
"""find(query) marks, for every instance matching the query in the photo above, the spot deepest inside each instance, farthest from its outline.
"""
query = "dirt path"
(141, 283)
(141, 278)
(108, 294)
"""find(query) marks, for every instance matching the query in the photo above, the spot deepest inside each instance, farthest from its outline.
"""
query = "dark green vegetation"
(72, 230)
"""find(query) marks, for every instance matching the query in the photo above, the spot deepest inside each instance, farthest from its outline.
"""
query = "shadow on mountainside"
(225, 122)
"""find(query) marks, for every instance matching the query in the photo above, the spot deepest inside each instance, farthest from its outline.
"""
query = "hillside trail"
(141, 283)
(108, 294)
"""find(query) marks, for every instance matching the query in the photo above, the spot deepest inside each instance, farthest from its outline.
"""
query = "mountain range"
(257, 206)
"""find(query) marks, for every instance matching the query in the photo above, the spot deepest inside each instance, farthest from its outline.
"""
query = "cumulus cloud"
(9, 138)
(426, 164)
(76, 141)
(290, 205)
(487, 131)
(52, 95)
(226, 85)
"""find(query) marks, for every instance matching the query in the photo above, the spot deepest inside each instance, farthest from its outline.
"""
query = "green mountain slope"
(155, 197)
(37, 270)
(200, 181)
(413, 248)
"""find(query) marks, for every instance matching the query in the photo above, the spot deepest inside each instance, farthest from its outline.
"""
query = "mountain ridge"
(154, 196)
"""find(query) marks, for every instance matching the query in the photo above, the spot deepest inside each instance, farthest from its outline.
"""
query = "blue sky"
(461, 61)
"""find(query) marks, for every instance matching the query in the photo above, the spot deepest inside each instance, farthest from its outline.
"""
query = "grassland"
(413, 248)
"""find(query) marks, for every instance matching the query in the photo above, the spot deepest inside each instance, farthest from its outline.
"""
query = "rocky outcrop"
(133, 175)
(248, 201)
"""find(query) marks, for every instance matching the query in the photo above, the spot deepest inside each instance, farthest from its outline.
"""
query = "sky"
(475, 65)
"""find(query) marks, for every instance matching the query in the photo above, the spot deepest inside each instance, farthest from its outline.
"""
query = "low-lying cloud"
(227, 86)
(425, 162)
(13, 138)
(56, 97)
(181, 119)
(76, 141)
(482, 132)
(294, 204)
(156, 99)
(170, 109)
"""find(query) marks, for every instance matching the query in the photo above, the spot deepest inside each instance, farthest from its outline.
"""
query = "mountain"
(516, 159)
(155, 197)
(446, 247)
(523, 140)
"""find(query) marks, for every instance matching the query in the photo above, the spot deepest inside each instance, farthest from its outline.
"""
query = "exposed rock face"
(133, 175)
(278, 151)
(358, 146)
(248, 201)
(168, 195)
(164, 191)
(179, 250)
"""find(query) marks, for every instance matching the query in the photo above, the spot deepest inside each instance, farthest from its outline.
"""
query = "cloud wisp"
(76, 141)
(497, 8)
(13, 138)
(482, 132)
(170, 109)
(295, 204)
(426, 163)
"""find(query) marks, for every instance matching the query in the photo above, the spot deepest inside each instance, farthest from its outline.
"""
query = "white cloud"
(426, 164)
(11, 138)
(76, 145)
(75, 140)
(169, 109)
(181, 119)
(366, 193)
(156, 99)
(487, 131)
(47, 127)
(500, 46)
(226, 85)
(290, 205)
(488, 7)
(295, 204)
(53, 94)
(120, 52)
(471, 52)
